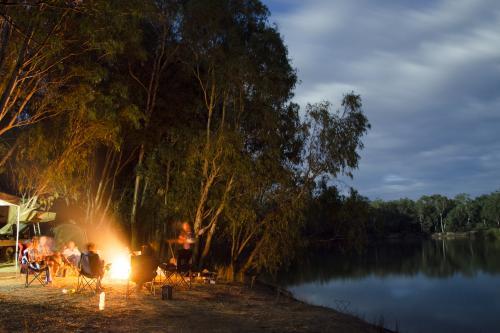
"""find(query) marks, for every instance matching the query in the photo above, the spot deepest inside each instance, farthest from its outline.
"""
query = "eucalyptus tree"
(242, 70)
(246, 148)
(322, 212)
(263, 218)
(69, 98)
(157, 51)
(324, 145)
(36, 48)
(397, 216)
(181, 108)
(39, 44)
(477, 207)
(353, 220)
(491, 209)
(432, 211)
(461, 216)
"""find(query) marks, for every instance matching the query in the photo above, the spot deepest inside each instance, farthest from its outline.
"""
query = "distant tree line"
(438, 214)
(151, 112)
(354, 218)
(437, 259)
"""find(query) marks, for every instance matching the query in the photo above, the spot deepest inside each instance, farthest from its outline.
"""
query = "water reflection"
(432, 258)
(424, 286)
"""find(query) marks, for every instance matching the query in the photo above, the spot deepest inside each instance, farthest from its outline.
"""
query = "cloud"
(394, 179)
(428, 72)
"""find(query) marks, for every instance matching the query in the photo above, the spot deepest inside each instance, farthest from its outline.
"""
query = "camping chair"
(180, 273)
(39, 271)
(68, 267)
(142, 269)
(87, 279)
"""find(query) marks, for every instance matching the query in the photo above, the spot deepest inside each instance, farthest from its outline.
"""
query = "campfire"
(120, 266)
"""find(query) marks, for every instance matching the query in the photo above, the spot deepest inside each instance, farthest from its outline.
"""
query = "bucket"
(166, 292)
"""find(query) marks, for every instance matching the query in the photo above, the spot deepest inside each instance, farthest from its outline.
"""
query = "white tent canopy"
(10, 200)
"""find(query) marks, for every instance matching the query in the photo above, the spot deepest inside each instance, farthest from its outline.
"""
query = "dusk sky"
(429, 76)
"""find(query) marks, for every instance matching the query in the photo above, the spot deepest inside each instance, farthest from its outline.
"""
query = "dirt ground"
(221, 307)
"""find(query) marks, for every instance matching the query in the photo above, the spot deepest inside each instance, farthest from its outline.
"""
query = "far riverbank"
(492, 233)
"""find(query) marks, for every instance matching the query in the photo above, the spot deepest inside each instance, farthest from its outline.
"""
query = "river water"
(424, 286)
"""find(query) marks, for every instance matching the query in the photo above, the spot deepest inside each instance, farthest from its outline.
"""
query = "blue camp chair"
(87, 277)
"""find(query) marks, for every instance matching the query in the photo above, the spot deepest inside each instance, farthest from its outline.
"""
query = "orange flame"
(120, 266)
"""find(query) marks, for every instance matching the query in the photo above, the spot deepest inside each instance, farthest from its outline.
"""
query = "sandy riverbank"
(221, 307)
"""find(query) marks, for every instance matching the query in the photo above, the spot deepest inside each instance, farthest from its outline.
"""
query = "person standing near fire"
(186, 238)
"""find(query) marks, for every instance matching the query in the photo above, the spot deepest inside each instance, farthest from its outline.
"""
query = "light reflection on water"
(427, 286)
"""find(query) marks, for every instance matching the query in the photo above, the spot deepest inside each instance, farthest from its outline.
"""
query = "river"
(415, 287)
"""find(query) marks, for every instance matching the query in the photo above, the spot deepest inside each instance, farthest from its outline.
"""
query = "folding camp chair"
(180, 273)
(68, 267)
(150, 287)
(40, 272)
(143, 268)
(87, 279)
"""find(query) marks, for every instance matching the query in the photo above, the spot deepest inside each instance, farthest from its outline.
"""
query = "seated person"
(34, 260)
(24, 255)
(91, 264)
(71, 253)
(143, 267)
(182, 262)
(171, 265)
(184, 257)
(51, 258)
(45, 246)
(56, 264)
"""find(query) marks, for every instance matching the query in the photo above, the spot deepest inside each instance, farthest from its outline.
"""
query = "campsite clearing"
(222, 307)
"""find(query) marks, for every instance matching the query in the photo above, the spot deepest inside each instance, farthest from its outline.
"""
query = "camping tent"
(10, 200)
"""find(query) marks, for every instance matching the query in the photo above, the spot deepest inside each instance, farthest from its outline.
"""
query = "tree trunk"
(250, 259)
(214, 220)
(441, 221)
(144, 191)
(198, 220)
(231, 272)
(6, 157)
(135, 201)
(208, 243)
(200, 211)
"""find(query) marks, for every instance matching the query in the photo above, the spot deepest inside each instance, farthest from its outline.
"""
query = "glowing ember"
(120, 266)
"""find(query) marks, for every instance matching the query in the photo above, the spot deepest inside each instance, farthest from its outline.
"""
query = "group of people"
(39, 254)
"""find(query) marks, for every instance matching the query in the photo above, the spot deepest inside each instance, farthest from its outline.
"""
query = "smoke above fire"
(110, 241)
